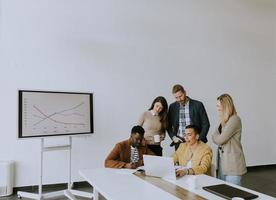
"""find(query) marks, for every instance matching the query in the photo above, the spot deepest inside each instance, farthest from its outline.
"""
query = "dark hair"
(195, 127)
(164, 112)
(138, 129)
(176, 88)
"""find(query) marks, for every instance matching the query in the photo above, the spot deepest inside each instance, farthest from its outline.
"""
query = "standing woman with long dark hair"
(154, 121)
(231, 162)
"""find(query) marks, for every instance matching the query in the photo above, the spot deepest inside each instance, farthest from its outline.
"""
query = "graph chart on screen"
(47, 113)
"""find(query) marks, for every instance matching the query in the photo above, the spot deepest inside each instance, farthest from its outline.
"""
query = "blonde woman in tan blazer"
(231, 162)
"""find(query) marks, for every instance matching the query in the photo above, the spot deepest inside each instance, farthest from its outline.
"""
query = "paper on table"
(140, 168)
(126, 171)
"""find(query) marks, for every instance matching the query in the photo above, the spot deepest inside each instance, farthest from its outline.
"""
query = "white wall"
(128, 52)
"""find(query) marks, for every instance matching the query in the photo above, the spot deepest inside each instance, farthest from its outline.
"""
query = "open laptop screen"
(159, 166)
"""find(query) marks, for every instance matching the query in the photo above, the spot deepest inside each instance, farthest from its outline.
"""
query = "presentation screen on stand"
(50, 113)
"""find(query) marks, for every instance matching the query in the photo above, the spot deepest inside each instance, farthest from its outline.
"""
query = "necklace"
(192, 150)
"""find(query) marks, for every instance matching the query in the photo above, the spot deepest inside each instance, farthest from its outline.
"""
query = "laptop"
(228, 192)
(159, 166)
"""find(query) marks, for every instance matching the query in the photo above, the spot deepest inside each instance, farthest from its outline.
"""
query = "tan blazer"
(230, 151)
(201, 158)
(120, 155)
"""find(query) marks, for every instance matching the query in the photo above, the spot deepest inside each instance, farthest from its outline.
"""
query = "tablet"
(228, 192)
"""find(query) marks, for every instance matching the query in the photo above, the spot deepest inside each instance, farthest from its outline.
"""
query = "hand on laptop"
(181, 172)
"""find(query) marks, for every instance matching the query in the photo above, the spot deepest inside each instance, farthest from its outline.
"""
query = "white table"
(119, 184)
(195, 184)
(116, 184)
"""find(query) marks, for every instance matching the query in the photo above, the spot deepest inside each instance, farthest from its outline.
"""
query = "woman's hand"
(162, 137)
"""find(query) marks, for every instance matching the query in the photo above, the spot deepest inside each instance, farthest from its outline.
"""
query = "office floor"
(261, 179)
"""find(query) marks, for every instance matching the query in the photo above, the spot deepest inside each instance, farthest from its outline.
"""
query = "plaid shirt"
(184, 119)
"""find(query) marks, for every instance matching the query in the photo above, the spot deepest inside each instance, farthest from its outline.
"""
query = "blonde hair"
(228, 107)
(176, 88)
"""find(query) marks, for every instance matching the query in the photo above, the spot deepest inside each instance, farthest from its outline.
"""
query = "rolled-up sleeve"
(232, 127)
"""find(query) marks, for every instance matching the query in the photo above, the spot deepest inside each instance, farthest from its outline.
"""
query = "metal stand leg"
(95, 194)
(69, 192)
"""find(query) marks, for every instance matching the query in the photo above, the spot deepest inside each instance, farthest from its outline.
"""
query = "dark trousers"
(156, 149)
